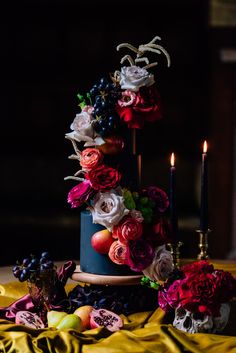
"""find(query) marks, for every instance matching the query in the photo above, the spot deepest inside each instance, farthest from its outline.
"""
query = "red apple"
(101, 241)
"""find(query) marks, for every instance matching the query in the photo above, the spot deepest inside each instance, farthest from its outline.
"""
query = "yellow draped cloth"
(146, 332)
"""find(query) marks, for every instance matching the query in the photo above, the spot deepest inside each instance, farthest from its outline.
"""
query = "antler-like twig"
(77, 151)
(155, 48)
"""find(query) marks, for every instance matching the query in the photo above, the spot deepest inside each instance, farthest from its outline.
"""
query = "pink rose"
(118, 253)
(80, 194)
(90, 158)
(127, 229)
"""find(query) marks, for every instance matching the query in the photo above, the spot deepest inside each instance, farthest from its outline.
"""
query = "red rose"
(145, 107)
(90, 158)
(103, 177)
(80, 194)
(127, 229)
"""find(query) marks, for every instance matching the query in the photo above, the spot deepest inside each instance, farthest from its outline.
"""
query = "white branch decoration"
(143, 48)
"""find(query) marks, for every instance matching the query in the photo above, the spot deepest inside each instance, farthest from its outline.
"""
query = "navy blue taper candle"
(204, 191)
(173, 208)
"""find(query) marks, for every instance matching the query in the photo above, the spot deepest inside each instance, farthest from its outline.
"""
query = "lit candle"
(173, 210)
(204, 191)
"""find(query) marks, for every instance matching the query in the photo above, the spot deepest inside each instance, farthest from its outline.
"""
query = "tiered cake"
(123, 227)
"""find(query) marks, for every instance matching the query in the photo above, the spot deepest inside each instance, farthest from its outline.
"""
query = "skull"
(192, 322)
(197, 322)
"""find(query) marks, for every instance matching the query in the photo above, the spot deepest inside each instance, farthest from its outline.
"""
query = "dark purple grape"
(26, 261)
(103, 80)
(98, 111)
(17, 271)
(45, 255)
(33, 264)
(46, 266)
(24, 275)
(94, 91)
(98, 100)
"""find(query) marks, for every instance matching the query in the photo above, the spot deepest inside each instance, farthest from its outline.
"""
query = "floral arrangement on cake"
(134, 217)
(200, 295)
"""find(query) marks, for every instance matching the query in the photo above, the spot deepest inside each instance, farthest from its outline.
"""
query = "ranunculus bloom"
(159, 197)
(108, 209)
(118, 253)
(103, 177)
(161, 266)
(80, 194)
(133, 77)
(90, 158)
(146, 107)
(140, 254)
(127, 98)
(127, 229)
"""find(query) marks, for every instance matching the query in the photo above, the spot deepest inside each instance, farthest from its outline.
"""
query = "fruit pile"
(83, 318)
(32, 265)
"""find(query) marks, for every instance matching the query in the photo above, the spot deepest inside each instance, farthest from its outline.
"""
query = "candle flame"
(205, 147)
(172, 160)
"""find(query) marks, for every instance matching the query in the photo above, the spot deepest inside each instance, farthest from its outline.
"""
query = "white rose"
(108, 209)
(134, 77)
(161, 266)
(82, 124)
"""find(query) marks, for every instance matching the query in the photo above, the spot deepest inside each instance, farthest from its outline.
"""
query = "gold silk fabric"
(146, 332)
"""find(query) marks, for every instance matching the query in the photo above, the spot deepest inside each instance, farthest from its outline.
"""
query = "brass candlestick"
(175, 252)
(203, 244)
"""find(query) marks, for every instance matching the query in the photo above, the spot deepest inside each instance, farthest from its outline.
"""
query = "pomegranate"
(101, 241)
(29, 319)
(106, 318)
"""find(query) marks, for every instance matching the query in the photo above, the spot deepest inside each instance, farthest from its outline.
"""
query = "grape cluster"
(119, 299)
(105, 95)
(32, 265)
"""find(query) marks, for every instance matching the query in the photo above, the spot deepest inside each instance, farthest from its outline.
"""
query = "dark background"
(50, 51)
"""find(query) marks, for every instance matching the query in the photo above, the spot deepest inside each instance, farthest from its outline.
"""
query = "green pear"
(70, 321)
(54, 317)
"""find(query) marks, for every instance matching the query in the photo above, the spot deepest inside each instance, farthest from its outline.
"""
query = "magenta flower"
(141, 254)
(80, 194)
(159, 197)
